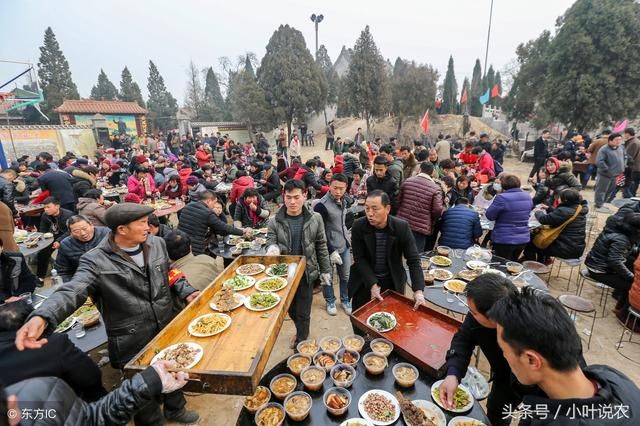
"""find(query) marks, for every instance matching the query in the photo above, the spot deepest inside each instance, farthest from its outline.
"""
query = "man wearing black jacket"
(54, 221)
(271, 187)
(382, 180)
(540, 153)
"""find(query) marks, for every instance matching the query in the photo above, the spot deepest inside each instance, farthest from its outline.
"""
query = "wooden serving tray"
(234, 360)
(423, 337)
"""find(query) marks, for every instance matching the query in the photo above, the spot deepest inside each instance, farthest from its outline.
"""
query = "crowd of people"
(359, 219)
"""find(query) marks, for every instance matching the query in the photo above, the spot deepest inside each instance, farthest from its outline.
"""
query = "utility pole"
(486, 56)
(317, 19)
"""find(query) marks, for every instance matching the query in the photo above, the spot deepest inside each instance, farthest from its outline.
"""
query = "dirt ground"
(224, 410)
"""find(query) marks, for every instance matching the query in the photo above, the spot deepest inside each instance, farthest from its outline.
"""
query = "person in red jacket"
(467, 156)
(339, 166)
(291, 171)
(242, 182)
(203, 157)
(485, 163)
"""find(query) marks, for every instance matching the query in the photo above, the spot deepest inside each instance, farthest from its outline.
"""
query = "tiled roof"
(89, 106)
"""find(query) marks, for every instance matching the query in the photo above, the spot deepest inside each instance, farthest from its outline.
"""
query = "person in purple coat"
(510, 210)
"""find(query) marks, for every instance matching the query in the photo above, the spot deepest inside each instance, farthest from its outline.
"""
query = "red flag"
(495, 91)
(464, 98)
(425, 122)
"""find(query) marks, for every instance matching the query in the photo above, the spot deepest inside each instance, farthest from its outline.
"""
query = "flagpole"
(486, 56)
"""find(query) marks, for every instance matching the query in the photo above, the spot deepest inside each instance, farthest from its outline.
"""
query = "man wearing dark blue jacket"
(83, 237)
(460, 226)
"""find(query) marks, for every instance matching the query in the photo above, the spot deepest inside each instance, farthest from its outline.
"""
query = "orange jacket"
(634, 292)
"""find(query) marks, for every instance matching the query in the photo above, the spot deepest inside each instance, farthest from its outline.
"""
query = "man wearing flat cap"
(126, 275)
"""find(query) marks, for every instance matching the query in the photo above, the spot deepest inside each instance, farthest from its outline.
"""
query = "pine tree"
(475, 107)
(161, 104)
(248, 66)
(367, 81)
(488, 81)
(55, 76)
(413, 90)
(129, 89)
(214, 105)
(104, 90)
(450, 93)
(464, 108)
(247, 100)
(293, 84)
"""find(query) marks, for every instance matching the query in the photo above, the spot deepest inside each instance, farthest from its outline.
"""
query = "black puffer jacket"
(386, 184)
(610, 251)
(117, 407)
(572, 241)
(135, 303)
(6, 194)
(199, 222)
(71, 250)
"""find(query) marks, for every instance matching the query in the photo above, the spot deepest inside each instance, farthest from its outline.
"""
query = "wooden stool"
(625, 328)
(572, 263)
(576, 304)
(604, 289)
(538, 268)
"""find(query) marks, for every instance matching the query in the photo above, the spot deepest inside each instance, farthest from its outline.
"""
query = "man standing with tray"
(127, 276)
(379, 242)
(297, 231)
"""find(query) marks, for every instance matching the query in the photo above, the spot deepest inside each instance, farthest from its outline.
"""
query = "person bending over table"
(379, 242)
(540, 342)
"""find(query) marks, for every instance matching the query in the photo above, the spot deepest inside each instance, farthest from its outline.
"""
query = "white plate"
(464, 409)
(250, 282)
(387, 395)
(447, 285)
(476, 264)
(495, 272)
(274, 275)
(430, 409)
(395, 322)
(71, 323)
(262, 268)
(239, 302)
(283, 283)
(247, 303)
(192, 323)
(461, 419)
(449, 274)
(358, 419)
(196, 359)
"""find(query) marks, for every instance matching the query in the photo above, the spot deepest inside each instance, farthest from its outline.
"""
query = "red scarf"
(253, 215)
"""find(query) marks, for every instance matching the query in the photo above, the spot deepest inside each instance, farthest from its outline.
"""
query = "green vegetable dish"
(263, 300)
(382, 321)
(460, 398)
(239, 282)
(64, 324)
(279, 269)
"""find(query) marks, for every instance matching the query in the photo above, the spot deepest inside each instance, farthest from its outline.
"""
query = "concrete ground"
(225, 409)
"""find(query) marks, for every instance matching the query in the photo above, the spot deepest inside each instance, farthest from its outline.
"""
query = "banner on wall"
(117, 124)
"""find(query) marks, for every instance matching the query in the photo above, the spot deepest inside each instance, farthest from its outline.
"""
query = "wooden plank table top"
(234, 360)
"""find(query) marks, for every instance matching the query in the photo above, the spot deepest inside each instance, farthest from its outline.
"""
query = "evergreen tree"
(450, 92)
(104, 89)
(213, 103)
(129, 89)
(465, 87)
(161, 104)
(292, 82)
(475, 108)
(247, 100)
(194, 98)
(413, 90)
(248, 66)
(367, 81)
(55, 76)
(488, 81)
(497, 101)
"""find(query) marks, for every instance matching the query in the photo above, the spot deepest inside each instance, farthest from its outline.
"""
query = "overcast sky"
(113, 33)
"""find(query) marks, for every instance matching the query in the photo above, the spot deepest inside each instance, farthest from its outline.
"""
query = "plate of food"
(209, 325)
(239, 282)
(420, 412)
(495, 272)
(271, 284)
(185, 355)
(476, 264)
(278, 270)
(462, 399)
(441, 261)
(234, 241)
(379, 407)
(382, 321)
(251, 269)
(356, 422)
(261, 241)
(263, 230)
(243, 245)
(469, 275)
(465, 421)
(455, 286)
(226, 300)
(261, 301)
(442, 274)
(66, 324)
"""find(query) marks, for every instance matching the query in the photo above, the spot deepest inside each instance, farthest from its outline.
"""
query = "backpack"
(497, 167)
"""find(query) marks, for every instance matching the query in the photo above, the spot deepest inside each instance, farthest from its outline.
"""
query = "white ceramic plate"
(283, 283)
(476, 264)
(192, 323)
(250, 281)
(274, 275)
(395, 321)
(262, 268)
(431, 410)
(465, 420)
(239, 298)
(495, 271)
(247, 303)
(444, 259)
(196, 359)
(442, 271)
(464, 409)
(387, 395)
(356, 421)
(448, 286)
(71, 323)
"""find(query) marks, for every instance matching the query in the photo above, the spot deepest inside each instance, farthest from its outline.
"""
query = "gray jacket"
(334, 216)
(611, 162)
(135, 303)
(314, 241)
(396, 170)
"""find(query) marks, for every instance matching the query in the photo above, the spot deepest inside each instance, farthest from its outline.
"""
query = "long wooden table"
(234, 360)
